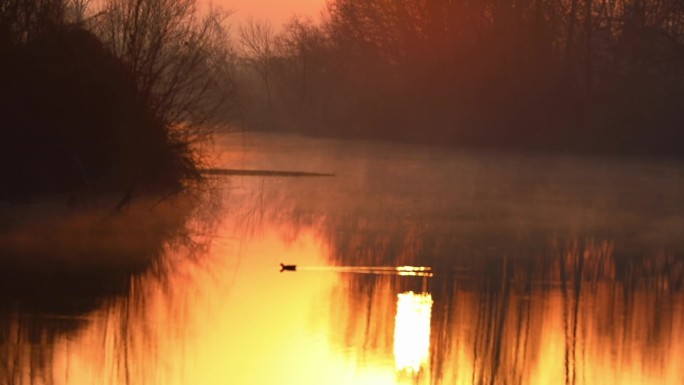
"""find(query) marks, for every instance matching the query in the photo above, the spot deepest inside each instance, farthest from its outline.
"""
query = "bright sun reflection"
(412, 331)
(419, 271)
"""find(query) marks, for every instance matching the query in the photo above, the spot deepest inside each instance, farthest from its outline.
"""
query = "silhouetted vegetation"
(96, 102)
(109, 99)
(586, 75)
(83, 261)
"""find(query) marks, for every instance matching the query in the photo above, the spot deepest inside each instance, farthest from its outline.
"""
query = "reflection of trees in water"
(497, 321)
(57, 271)
(371, 302)
(505, 298)
(596, 309)
(624, 306)
(513, 304)
(123, 342)
(489, 311)
(24, 356)
(132, 346)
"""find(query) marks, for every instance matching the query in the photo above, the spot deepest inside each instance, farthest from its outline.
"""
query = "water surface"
(415, 265)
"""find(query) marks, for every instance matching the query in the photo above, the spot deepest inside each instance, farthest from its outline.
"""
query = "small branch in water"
(167, 196)
(235, 172)
(126, 199)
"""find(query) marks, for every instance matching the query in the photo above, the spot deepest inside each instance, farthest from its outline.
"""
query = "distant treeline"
(582, 75)
(106, 96)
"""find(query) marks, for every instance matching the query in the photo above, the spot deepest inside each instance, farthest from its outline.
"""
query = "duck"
(284, 267)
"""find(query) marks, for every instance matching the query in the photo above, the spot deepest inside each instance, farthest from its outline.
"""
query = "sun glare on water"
(412, 332)
(419, 271)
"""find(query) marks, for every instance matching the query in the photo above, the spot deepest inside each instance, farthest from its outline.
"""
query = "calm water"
(416, 265)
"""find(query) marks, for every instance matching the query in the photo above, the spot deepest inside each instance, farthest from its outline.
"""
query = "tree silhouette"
(257, 42)
(580, 75)
(108, 99)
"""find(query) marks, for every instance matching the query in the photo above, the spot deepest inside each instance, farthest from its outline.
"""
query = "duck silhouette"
(284, 267)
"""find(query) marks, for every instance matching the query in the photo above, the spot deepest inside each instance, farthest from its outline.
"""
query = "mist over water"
(544, 270)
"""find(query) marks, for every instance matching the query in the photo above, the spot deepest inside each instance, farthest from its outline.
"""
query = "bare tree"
(180, 59)
(25, 20)
(257, 48)
(304, 44)
(77, 10)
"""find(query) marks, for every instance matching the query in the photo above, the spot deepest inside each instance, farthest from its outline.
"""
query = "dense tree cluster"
(589, 75)
(108, 98)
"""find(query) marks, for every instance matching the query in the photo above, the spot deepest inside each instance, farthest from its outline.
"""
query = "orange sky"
(275, 11)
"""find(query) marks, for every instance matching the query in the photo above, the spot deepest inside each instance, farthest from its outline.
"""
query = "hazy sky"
(275, 11)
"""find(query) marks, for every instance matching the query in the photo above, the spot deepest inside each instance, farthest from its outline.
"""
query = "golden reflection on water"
(412, 332)
(418, 271)
(233, 318)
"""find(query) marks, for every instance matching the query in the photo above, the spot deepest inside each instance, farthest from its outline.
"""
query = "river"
(414, 265)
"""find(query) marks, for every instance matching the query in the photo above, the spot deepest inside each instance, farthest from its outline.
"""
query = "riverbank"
(65, 259)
